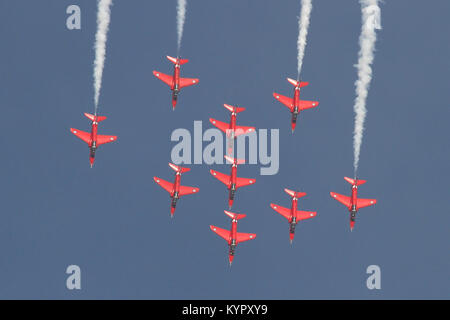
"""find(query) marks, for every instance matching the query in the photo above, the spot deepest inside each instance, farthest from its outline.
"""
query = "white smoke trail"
(370, 22)
(181, 15)
(303, 24)
(103, 17)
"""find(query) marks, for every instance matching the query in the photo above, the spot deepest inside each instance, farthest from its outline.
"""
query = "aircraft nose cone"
(174, 104)
(230, 203)
(91, 161)
(293, 124)
(291, 237)
(352, 225)
(230, 259)
(172, 211)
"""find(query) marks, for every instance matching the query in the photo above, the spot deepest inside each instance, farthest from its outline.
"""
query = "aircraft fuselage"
(293, 219)
(232, 242)
(175, 192)
(296, 107)
(93, 143)
(176, 84)
(297, 97)
(232, 186)
(353, 209)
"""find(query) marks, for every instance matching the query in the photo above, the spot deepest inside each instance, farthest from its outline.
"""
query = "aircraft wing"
(220, 125)
(186, 82)
(101, 139)
(288, 102)
(242, 130)
(187, 190)
(342, 199)
(303, 215)
(285, 212)
(241, 237)
(221, 232)
(168, 186)
(85, 136)
(242, 182)
(164, 78)
(303, 104)
(225, 179)
(362, 203)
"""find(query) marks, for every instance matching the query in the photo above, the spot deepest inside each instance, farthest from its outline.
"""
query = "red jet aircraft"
(93, 139)
(175, 189)
(175, 82)
(293, 215)
(231, 129)
(295, 105)
(353, 203)
(232, 181)
(233, 237)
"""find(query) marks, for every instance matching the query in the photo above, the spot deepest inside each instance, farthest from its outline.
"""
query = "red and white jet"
(175, 189)
(231, 129)
(175, 82)
(232, 181)
(295, 105)
(232, 236)
(93, 139)
(353, 203)
(293, 215)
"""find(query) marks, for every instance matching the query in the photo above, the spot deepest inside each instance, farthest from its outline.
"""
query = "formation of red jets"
(231, 181)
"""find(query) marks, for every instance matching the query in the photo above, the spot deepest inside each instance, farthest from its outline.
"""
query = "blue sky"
(113, 220)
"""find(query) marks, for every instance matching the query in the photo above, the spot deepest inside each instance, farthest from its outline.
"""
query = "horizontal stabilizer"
(295, 194)
(233, 109)
(296, 83)
(178, 168)
(174, 60)
(234, 160)
(352, 181)
(236, 216)
(92, 117)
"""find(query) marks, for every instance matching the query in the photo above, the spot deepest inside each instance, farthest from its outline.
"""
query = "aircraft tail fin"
(352, 181)
(178, 168)
(295, 194)
(296, 83)
(174, 60)
(233, 109)
(92, 117)
(236, 216)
